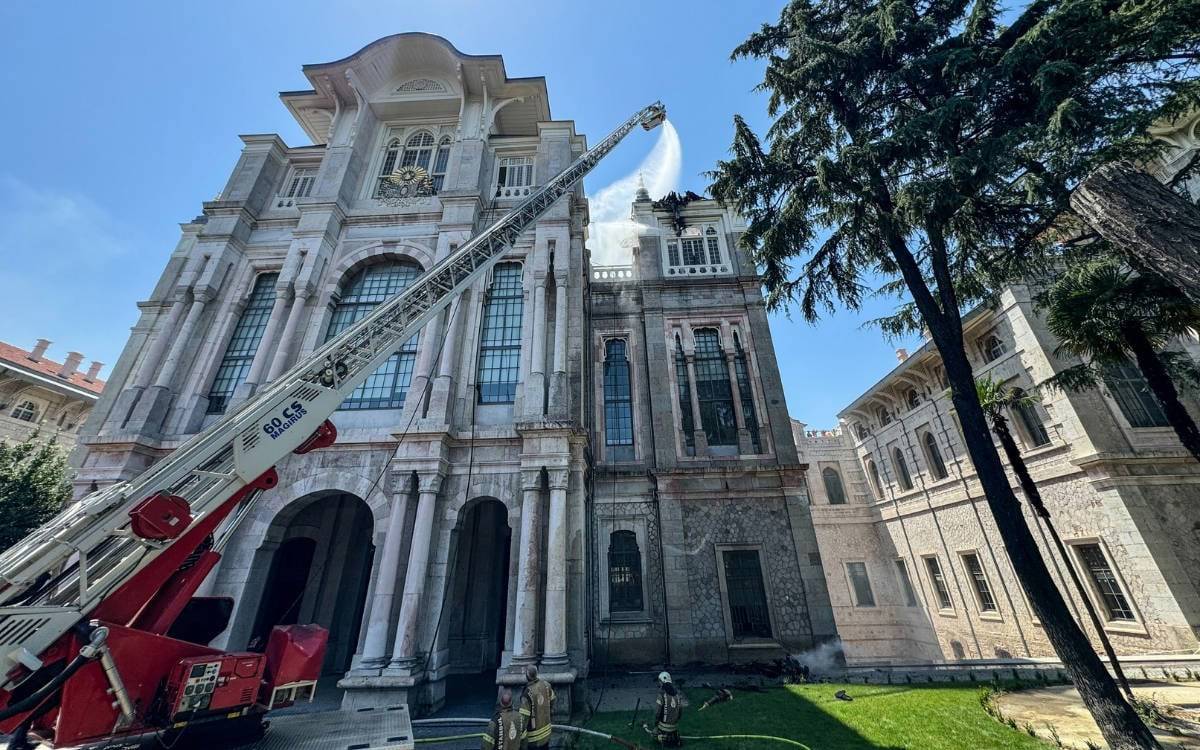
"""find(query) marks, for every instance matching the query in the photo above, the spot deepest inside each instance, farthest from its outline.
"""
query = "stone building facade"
(570, 466)
(915, 565)
(44, 398)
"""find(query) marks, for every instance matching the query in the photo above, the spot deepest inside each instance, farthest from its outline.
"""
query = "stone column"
(166, 336)
(167, 373)
(528, 569)
(431, 342)
(701, 441)
(535, 389)
(287, 341)
(439, 395)
(373, 654)
(556, 573)
(404, 650)
(745, 447)
(262, 357)
(559, 405)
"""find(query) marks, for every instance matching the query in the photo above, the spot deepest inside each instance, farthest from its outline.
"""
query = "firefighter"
(668, 710)
(504, 731)
(537, 703)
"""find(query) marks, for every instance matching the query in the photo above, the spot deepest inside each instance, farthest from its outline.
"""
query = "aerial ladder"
(92, 652)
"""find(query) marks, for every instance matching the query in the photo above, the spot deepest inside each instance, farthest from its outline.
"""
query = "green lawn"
(881, 717)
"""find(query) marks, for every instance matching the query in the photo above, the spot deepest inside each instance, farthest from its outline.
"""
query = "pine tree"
(33, 487)
(932, 146)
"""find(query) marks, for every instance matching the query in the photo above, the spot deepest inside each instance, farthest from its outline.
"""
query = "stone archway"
(478, 593)
(318, 568)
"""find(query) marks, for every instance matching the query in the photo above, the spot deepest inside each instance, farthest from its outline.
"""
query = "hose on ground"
(769, 737)
(592, 733)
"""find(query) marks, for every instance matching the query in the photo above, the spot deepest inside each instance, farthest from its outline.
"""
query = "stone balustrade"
(612, 274)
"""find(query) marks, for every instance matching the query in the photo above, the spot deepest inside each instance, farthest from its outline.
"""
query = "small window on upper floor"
(992, 347)
(860, 431)
(833, 486)
(298, 184)
(695, 252)
(885, 417)
(912, 398)
(26, 411)
(440, 162)
(418, 151)
(515, 177)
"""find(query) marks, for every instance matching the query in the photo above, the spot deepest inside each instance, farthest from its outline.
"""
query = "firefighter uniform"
(504, 731)
(668, 709)
(537, 703)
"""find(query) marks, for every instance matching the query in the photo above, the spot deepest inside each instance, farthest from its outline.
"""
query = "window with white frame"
(299, 184)
(992, 347)
(860, 584)
(937, 580)
(696, 251)
(418, 151)
(440, 162)
(741, 368)
(391, 153)
(1105, 582)
(26, 411)
(514, 178)
(979, 581)
(906, 587)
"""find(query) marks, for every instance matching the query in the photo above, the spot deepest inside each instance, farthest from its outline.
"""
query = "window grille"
(243, 345)
(902, 474)
(983, 590)
(298, 185)
(1116, 604)
(26, 411)
(746, 392)
(910, 595)
(693, 251)
(685, 397)
(618, 400)
(1031, 422)
(833, 486)
(1134, 397)
(440, 163)
(937, 465)
(714, 246)
(500, 342)
(748, 610)
(515, 177)
(624, 573)
(418, 151)
(713, 390)
(387, 387)
(938, 580)
(861, 583)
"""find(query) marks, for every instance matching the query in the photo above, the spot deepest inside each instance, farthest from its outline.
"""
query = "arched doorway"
(319, 573)
(478, 603)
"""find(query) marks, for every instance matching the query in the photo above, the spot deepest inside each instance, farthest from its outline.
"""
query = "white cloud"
(43, 230)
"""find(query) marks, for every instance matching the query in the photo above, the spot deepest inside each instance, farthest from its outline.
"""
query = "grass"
(881, 717)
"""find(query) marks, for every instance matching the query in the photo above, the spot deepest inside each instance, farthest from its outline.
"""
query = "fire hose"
(589, 732)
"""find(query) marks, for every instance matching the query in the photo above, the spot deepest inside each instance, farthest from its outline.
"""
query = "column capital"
(531, 479)
(430, 483)
(559, 478)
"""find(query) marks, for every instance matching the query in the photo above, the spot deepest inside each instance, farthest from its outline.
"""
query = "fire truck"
(103, 641)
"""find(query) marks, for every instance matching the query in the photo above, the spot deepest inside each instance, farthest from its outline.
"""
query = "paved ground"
(1059, 706)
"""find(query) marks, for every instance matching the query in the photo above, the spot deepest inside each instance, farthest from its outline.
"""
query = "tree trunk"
(1164, 389)
(1118, 722)
(1142, 217)
(1034, 496)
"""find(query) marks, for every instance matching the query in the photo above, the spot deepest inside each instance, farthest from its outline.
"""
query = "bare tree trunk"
(1164, 389)
(1034, 496)
(1142, 217)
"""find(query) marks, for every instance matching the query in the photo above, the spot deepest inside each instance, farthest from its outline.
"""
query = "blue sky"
(123, 117)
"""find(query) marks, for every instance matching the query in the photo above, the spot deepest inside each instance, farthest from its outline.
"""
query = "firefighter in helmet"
(668, 709)
(537, 703)
(505, 730)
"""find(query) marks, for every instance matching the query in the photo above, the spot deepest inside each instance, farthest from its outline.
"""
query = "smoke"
(823, 658)
(611, 233)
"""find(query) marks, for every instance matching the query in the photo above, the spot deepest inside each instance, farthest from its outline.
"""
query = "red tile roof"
(19, 358)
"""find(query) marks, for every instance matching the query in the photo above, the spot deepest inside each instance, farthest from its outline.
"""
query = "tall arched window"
(833, 486)
(993, 347)
(391, 154)
(26, 411)
(876, 482)
(418, 151)
(713, 390)
(885, 416)
(500, 341)
(243, 345)
(387, 387)
(912, 398)
(618, 398)
(746, 392)
(685, 396)
(624, 573)
(1031, 422)
(902, 474)
(714, 246)
(937, 466)
(438, 173)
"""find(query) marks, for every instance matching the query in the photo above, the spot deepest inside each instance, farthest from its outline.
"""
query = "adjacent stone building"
(44, 398)
(569, 467)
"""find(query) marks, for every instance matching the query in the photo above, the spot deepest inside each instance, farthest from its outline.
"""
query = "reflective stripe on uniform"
(665, 727)
(539, 734)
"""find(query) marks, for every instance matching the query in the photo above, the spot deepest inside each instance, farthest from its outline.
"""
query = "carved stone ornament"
(675, 203)
(406, 186)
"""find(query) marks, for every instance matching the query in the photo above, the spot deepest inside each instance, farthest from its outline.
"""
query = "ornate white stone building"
(570, 467)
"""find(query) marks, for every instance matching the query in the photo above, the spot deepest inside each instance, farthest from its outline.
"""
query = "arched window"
(387, 387)
(1031, 422)
(885, 417)
(686, 420)
(713, 390)
(624, 573)
(746, 392)
(418, 151)
(992, 347)
(1132, 393)
(860, 431)
(391, 155)
(937, 466)
(833, 486)
(902, 474)
(912, 398)
(876, 482)
(243, 344)
(714, 246)
(439, 163)
(500, 341)
(618, 398)
(26, 411)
